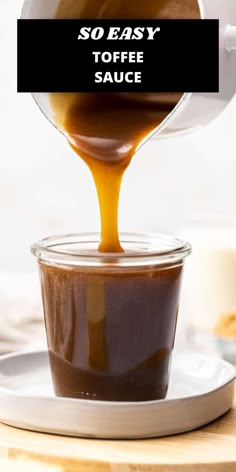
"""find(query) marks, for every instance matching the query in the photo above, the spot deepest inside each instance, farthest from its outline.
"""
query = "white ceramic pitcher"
(195, 109)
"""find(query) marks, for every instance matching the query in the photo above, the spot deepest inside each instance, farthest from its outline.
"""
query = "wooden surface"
(213, 448)
(17, 465)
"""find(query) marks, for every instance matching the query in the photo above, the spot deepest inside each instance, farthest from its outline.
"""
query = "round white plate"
(201, 390)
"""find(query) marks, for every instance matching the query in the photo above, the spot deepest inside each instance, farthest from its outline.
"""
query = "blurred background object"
(45, 189)
(21, 318)
(209, 292)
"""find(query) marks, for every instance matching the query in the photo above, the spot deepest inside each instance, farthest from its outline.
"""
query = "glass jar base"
(73, 382)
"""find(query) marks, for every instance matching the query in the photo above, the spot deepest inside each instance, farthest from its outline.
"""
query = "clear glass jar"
(111, 318)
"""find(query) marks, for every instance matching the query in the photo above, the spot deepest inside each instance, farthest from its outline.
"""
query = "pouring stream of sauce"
(105, 130)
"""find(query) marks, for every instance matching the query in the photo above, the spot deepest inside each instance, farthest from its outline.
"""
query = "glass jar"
(111, 318)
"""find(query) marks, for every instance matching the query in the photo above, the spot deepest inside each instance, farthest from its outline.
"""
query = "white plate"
(201, 390)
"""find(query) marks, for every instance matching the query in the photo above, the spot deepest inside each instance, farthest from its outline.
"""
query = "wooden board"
(213, 448)
(10, 465)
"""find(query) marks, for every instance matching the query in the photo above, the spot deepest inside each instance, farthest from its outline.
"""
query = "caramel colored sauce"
(106, 130)
(110, 332)
(123, 9)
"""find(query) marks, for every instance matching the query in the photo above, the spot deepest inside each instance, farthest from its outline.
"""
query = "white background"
(45, 189)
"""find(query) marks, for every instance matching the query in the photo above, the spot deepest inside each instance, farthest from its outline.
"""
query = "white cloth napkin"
(21, 314)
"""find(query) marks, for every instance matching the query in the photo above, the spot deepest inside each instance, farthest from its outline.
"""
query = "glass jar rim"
(140, 249)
